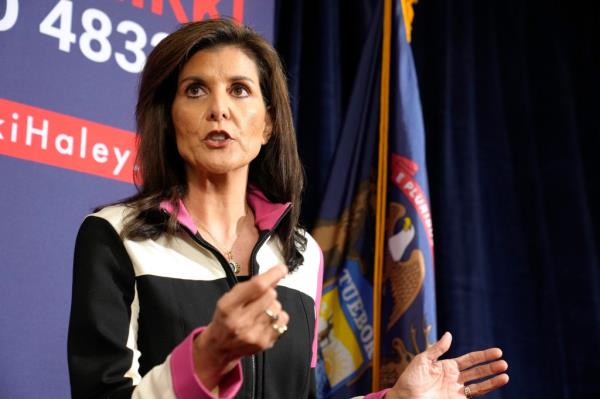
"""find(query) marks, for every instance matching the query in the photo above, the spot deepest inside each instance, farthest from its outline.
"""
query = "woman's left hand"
(426, 377)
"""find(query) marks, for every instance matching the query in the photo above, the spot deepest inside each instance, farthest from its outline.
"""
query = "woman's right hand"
(240, 326)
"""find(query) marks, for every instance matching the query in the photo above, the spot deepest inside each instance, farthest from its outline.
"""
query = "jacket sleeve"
(100, 362)
(102, 348)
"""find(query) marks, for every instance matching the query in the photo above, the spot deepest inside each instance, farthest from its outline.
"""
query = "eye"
(194, 90)
(239, 90)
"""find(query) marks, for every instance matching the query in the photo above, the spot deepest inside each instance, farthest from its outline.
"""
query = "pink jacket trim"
(186, 383)
(377, 395)
(315, 354)
(183, 217)
(266, 213)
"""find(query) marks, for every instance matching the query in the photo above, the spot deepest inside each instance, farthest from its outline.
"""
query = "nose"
(218, 108)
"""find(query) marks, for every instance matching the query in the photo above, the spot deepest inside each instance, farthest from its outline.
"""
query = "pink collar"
(266, 213)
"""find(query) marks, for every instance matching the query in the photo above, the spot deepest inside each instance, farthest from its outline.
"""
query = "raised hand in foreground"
(243, 324)
(426, 377)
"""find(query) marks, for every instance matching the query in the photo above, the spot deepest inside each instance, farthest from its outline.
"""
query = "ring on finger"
(278, 328)
(274, 316)
(468, 393)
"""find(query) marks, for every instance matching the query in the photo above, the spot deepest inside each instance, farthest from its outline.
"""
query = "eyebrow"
(235, 78)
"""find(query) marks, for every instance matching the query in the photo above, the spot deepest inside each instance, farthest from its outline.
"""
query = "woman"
(163, 303)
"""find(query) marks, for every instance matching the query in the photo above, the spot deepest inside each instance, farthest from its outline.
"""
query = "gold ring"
(468, 393)
(278, 328)
(274, 316)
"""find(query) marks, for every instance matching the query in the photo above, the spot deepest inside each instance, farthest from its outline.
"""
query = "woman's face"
(219, 115)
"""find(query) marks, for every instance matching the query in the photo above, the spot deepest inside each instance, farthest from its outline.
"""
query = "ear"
(268, 128)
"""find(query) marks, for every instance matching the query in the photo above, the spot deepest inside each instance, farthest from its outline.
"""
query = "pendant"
(234, 266)
(232, 263)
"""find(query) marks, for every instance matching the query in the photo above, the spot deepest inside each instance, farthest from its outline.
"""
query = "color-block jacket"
(137, 306)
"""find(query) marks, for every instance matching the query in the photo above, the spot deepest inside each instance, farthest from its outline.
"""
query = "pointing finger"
(256, 287)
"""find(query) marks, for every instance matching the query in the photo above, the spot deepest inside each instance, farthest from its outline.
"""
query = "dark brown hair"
(160, 173)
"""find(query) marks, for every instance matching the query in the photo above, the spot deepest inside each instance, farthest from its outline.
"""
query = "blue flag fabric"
(345, 232)
(346, 229)
(408, 323)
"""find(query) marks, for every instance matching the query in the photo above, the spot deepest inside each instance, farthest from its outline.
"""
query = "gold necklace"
(235, 267)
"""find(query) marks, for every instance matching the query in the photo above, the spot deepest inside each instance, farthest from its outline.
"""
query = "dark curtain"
(510, 95)
(320, 43)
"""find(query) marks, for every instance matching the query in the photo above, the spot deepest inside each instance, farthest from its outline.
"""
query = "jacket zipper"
(253, 271)
(231, 277)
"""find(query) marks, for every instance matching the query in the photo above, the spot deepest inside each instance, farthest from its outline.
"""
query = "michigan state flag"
(378, 301)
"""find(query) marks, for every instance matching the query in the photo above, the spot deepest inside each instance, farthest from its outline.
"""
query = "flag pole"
(381, 193)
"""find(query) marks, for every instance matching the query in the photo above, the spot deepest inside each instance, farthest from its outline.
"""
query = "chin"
(222, 168)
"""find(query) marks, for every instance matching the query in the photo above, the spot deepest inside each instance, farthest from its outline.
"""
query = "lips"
(217, 138)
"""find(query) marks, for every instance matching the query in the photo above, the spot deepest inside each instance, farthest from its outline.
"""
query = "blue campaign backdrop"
(78, 60)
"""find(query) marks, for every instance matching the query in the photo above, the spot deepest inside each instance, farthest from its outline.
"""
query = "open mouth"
(218, 136)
